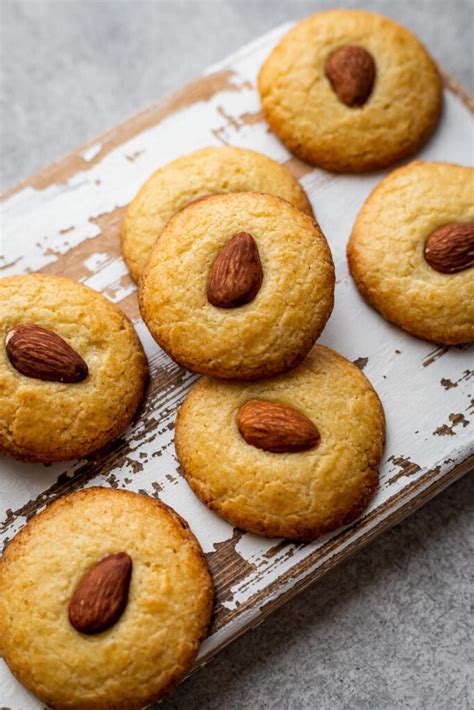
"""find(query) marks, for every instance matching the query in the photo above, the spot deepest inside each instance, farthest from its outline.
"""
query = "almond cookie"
(104, 599)
(238, 286)
(72, 369)
(204, 172)
(294, 456)
(411, 252)
(350, 91)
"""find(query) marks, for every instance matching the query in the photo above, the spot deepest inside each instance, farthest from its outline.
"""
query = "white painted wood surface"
(426, 391)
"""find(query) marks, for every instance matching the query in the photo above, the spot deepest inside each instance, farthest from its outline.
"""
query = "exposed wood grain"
(457, 89)
(201, 89)
(265, 608)
(169, 383)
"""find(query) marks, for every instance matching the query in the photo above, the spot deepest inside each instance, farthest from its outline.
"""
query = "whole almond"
(451, 248)
(276, 427)
(351, 72)
(102, 594)
(41, 353)
(236, 275)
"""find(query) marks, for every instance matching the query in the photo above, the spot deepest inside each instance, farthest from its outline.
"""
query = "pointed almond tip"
(276, 428)
(42, 354)
(351, 73)
(236, 275)
(101, 595)
(450, 249)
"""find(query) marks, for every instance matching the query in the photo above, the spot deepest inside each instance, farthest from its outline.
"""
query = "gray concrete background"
(72, 69)
(391, 627)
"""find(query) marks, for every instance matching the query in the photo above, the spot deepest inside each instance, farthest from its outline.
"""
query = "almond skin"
(351, 72)
(236, 275)
(450, 249)
(41, 353)
(102, 594)
(276, 427)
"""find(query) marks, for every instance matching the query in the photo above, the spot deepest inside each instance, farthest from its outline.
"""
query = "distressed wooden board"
(65, 220)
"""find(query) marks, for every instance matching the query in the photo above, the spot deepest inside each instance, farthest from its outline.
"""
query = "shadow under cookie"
(293, 456)
(238, 286)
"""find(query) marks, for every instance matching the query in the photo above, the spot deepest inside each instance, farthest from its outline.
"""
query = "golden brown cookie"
(294, 456)
(350, 91)
(203, 172)
(238, 286)
(166, 601)
(411, 252)
(72, 369)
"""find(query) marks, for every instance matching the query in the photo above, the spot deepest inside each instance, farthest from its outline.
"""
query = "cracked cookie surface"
(297, 495)
(46, 421)
(266, 336)
(204, 172)
(306, 114)
(152, 645)
(386, 251)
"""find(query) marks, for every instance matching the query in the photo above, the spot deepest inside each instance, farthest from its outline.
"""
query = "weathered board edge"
(302, 580)
(198, 89)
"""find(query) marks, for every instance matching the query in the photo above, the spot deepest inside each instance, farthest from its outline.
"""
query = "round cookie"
(285, 492)
(153, 643)
(291, 288)
(203, 172)
(93, 395)
(386, 251)
(372, 125)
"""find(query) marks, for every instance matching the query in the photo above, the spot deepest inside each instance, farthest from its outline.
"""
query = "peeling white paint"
(41, 224)
(90, 153)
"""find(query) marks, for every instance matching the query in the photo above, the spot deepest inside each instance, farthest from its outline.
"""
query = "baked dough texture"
(52, 421)
(293, 495)
(277, 328)
(386, 248)
(306, 114)
(203, 172)
(153, 644)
